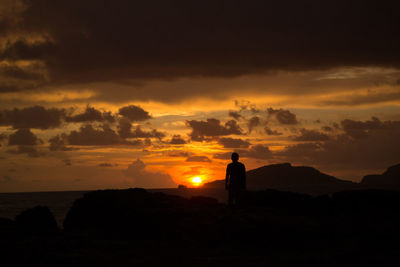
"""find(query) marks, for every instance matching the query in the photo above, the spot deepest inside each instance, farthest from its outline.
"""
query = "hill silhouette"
(286, 177)
(389, 179)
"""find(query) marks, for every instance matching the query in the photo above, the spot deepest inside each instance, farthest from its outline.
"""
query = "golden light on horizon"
(196, 181)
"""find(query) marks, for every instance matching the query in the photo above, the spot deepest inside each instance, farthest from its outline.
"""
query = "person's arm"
(227, 177)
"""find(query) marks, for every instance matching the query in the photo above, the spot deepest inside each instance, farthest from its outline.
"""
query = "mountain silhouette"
(389, 179)
(286, 177)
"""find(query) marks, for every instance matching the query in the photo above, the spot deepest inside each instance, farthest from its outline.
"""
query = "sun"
(196, 181)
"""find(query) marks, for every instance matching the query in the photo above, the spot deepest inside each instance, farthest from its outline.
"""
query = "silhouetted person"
(235, 180)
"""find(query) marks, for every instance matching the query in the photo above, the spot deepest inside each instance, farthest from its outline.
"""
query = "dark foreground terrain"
(137, 228)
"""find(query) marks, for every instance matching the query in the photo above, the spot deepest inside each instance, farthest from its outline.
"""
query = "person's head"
(235, 157)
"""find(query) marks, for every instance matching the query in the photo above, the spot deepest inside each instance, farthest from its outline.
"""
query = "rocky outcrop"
(37, 220)
(291, 178)
(389, 179)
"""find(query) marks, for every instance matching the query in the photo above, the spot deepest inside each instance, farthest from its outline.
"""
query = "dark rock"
(137, 213)
(7, 227)
(390, 178)
(37, 220)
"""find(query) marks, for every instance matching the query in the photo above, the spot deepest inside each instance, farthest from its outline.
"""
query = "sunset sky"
(114, 94)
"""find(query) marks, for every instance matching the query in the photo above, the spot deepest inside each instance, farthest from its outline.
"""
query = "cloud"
(258, 152)
(31, 151)
(360, 129)
(226, 155)
(363, 99)
(269, 131)
(58, 143)
(244, 105)
(3, 137)
(148, 179)
(234, 114)
(283, 116)
(89, 136)
(362, 145)
(67, 162)
(198, 159)
(228, 142)
(134, 113)
(16, 72)
(212, 128)
(106, 165)
(266, 37)
(183, 154)
(253, 122)
(177, 140)
(327, 128)
(310, 135)
(6, 179)
(32, 117)
(91, 114)
(125, 131)
(23, 137)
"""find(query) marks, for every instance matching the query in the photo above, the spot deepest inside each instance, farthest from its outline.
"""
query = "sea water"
(11, 204)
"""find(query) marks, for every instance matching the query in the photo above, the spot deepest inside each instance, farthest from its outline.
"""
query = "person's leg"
(234, 197)
(230, 197)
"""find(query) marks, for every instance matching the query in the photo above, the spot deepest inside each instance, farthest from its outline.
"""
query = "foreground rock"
(270, 228)
(37, 220)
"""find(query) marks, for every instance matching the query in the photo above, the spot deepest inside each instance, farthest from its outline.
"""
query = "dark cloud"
(283, 116)
(89, 136)
(234, 114)
(15, 72)
(59, 142)
(198, 159)
(32, 117)
(174, 154)
(125, 131)
(3, 137)
(228, 142)
(212, 128)
(244, 105)
(106, 165)
(91, 114)
(253, 122)
(31, 151)
(148, 179)
(269, 131)
(327, 128)
(360, 129)
(258, 152)
(185, 38)
(177, 140)
(364, 144)
(310, 135)
(67, 162)
(134, 113)
(224, 155)
(23, 137)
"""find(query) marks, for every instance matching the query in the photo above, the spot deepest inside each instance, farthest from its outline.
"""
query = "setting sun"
(196, 180)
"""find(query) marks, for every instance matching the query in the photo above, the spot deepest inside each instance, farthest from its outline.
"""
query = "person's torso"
(237, 175)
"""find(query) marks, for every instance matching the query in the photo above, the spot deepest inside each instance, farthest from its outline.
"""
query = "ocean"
(11, 204)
